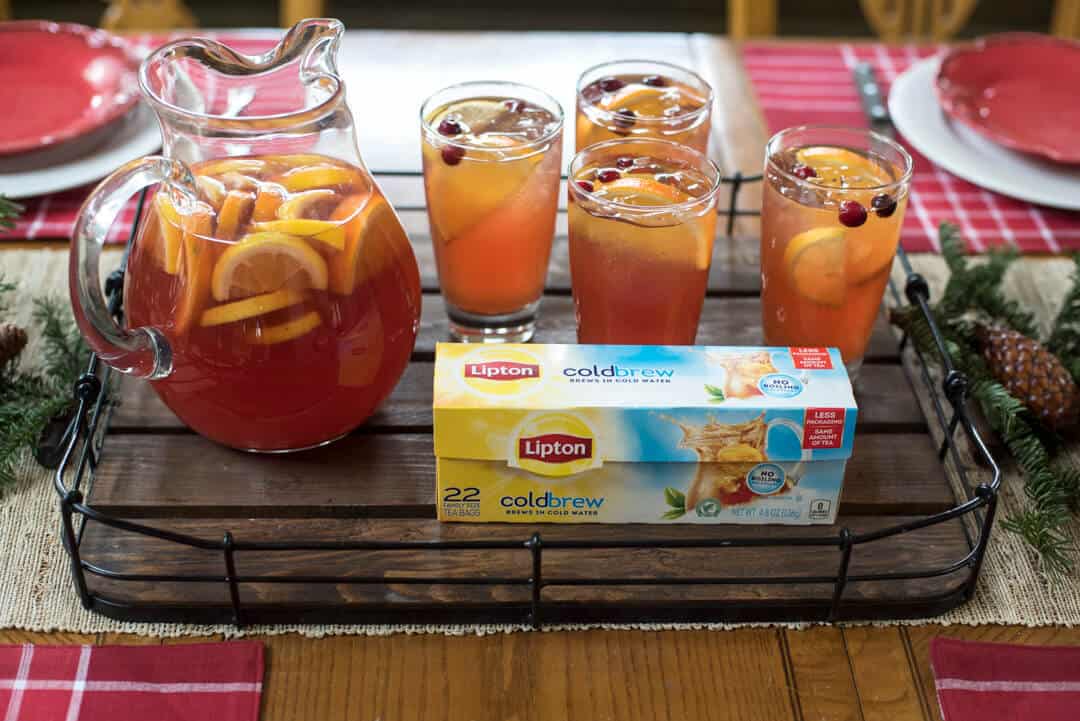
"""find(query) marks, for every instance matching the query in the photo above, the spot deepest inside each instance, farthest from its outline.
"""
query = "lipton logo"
(555, 448)
(502, 370)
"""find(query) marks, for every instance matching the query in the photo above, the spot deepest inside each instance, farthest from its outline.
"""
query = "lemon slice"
(269, 335)
(196, 269)
(318, 176)
(264, 262)
(326, 231)
(641, 190)
(815, 264)
(251, 307)
(247, 166)
(476, 115)
(298, 204)
(213, 190)
(373, 236)
(172, 236)
(234, 210)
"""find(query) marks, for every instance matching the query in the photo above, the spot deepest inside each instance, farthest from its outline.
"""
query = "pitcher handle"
(141, 352)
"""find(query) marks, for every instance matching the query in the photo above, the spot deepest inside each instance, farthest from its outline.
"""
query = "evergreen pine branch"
(65, 354)
(1064, 340)
(9, 211)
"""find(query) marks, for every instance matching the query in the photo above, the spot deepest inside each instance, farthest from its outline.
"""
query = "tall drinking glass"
(830, 223)
(642, 218)
(643, 99)
(492, 155)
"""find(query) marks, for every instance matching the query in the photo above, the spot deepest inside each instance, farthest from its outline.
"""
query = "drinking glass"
(642, 217)
(833, 207)
(643, 99)
(492, 154)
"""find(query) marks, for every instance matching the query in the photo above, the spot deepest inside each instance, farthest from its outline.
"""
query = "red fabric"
(1003, 682)
(800, 83)
(189, 682)
(52, 216)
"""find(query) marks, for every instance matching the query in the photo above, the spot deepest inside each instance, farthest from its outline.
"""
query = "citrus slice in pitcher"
(372, 237)
(234, 211)
(265, 262)
(172, 236)
(197, 267)
(282, 332)
(251, 307)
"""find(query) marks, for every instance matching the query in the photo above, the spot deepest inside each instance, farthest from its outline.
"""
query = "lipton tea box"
(646, 434)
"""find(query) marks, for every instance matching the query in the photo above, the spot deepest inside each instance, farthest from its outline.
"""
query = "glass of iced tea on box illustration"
(642, 99)
(271, 295)
(833, 206)
(492, 154)
(642, 217)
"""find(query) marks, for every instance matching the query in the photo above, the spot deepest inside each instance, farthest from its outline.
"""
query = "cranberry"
(624, 162)
(592, 92)
(610, 85)
(667, 179)
(852, 213)
(607, 175)
(585, 185)
(514, 105)
(655, 81)
(450, 127)
(625, 118)
(803, 171)
(452, 154)
(883, 204)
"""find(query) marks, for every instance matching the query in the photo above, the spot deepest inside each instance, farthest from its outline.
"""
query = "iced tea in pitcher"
(280, 291)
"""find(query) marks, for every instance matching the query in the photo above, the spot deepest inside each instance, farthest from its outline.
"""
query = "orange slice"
(289, 330)
(247, 166)
(250, 307)
(172, 236)
(213, 190)
(198, 266)
(318, 176)
(868, 257)
(267, 202)
(326, 231)
(641, 190)
(265, 262)
(372, 239)
(815, 264)
(300, 203)
(234, 212)
(842, 168)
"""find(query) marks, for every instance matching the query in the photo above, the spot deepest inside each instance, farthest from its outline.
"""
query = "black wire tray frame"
(84, 440)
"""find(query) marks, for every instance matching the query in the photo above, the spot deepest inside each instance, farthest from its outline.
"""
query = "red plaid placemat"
(1003, 682)
(52, 216)
(800, 83)
(191, 682)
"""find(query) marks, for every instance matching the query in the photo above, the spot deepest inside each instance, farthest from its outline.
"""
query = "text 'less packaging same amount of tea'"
(648, 434)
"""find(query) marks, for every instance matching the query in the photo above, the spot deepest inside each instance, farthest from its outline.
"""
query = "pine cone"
(1032, 374)
(12, 341)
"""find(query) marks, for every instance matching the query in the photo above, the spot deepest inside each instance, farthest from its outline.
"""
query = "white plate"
(963, 152)
(138, 136)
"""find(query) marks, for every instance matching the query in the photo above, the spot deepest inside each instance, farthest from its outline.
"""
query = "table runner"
(222, 681)
(811, 83)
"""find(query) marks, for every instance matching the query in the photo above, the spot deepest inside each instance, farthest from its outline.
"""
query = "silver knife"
(873, 101)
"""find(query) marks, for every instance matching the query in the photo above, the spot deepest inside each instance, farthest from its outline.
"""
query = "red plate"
(1021, 90)
(61, 81)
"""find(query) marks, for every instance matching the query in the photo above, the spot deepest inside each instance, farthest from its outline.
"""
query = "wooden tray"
(378, 485)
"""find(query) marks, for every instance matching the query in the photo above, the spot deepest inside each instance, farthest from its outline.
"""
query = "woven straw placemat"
(37, 592)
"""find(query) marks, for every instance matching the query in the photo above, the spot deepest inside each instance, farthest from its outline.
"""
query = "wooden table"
(760, 673)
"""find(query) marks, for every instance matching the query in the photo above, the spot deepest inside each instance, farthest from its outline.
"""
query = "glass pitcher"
(271, 295)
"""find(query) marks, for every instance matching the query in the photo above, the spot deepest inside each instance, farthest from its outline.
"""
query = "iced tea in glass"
(492, 155)
(643, 99)
(642, 217)
(833, 207)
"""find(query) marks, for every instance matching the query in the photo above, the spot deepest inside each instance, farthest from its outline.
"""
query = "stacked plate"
(72, 114)
(1003, 113)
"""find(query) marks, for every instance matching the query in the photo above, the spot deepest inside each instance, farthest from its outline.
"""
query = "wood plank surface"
(880, 665)
(821, 676)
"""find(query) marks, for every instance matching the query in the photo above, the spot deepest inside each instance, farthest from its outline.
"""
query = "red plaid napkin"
(1003, 682)
(52, 216)
(800, 83)
(191, 682)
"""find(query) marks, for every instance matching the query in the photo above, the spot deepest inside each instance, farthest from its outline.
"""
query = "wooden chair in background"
(147, 15)
(895, 20)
